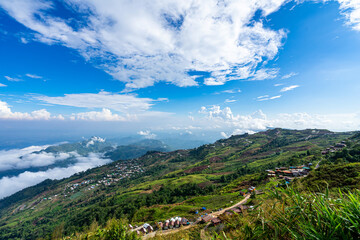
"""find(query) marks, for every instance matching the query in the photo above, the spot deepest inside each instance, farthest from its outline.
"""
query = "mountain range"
(162, 184)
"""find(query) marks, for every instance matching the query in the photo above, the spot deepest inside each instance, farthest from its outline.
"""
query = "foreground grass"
(114, 230)
(288, 214)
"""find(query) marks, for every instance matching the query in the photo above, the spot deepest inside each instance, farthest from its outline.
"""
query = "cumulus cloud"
(141, 42)
(147, 134)
(42, 114)
(104, 115)
(11, 185)
(351, 10)
(224, 120)
(95, 139)
(26, 158)
(292, 87)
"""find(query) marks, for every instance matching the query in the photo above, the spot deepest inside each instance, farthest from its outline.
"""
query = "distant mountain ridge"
(98, 145)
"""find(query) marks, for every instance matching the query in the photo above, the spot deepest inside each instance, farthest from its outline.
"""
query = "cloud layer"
(11, 185)
(26, 158)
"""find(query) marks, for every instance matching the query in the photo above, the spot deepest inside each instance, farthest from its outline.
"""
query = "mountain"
(68, 154)
(136, 149)
(161, 185)
(173, 143)
(94, 144)
(178, 143)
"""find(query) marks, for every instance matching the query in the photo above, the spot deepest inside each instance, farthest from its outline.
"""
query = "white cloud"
(230, 91)
(241, 131)
(24, 40)
(10, 79)
(33, 76)
(3, 85)
(267, 97)
(230, 100)
(224, 135)
(292, 87)
(95, 139)
(10, 185)
(278, 84)
(42, 114)
(189, 132)
(26, 158)
(147, 134)
(213, 81)
(263, 74)
(144, 42)
(126, 103)
(275, 97)
(104, 115)
(351, 10)
(224, 120)
(290, 75)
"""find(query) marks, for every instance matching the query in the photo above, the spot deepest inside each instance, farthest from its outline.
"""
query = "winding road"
(172, 231)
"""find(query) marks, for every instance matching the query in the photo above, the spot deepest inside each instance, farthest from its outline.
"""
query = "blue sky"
(222, 66)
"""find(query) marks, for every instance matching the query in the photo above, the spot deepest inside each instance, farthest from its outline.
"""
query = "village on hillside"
(117, 172)
(215, 217)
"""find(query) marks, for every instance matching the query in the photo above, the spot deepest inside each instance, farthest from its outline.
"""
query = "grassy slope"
(244, 154)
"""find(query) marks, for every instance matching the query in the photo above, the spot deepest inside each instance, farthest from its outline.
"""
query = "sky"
(72, 68)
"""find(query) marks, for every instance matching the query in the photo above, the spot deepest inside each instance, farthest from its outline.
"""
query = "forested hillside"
(185, 183)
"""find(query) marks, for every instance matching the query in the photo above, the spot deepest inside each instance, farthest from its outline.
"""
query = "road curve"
(215, 214)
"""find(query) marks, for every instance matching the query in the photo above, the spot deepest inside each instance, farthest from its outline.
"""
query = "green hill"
(161, 185)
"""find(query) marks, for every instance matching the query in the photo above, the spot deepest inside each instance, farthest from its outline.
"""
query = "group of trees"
(346, 155)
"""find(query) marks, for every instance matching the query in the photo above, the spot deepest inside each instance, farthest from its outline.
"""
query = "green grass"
(76, 195)
(187, 208)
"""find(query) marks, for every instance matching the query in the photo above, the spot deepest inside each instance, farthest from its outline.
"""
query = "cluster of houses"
(72, 186)
(172, 223)
(210, 218)
(144, 229)
(175, 222)
(127, 168)
(337, 147)
(120, 171)
(292, 171)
